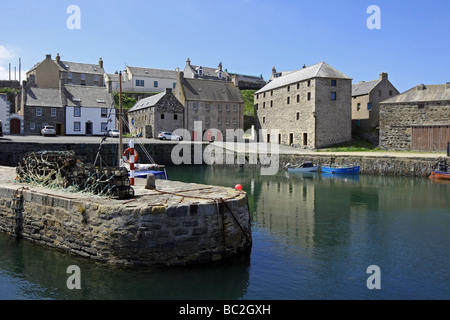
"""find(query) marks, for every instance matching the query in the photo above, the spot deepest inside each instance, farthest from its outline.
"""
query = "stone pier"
(174, 224)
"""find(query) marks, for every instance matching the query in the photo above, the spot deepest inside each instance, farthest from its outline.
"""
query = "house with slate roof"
(41, 107)
(201, 72)
(52, 73)
(152, 115)
(217, 104)
(88, 110)
(417, 119)
(137, 79)
(366, 98)
(310, 108)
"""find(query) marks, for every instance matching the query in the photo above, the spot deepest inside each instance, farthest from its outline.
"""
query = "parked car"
(169, 136)
(113, 133)
(48, 131)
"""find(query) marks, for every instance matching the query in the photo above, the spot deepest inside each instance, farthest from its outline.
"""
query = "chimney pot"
(58, 58)
(100, 63)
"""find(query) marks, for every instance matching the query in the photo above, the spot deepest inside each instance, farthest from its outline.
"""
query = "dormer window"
(200, 72)
(219, 75)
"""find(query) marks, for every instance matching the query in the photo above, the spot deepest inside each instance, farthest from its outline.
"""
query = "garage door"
(430, 138)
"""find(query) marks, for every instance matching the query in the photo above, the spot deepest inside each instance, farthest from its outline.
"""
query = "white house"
(136, 79)
(89, 110)
(4, 112)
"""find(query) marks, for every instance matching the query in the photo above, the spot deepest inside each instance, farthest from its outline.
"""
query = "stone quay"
(171, 225)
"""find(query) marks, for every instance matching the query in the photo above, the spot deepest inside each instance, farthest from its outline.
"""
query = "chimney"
(188, 62)
(421, 87)
(274, 70)
(58, 58)
(304, 66)
(383, 76)
(48, 56)
(220, 66)
(100, 63)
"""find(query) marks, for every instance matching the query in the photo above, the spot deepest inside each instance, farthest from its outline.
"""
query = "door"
(59, 129)
(14, 125)
(88, 128)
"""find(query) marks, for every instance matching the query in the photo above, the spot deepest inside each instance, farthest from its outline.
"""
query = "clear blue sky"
(248, 36)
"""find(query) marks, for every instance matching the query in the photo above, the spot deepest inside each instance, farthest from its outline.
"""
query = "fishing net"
(65, 170)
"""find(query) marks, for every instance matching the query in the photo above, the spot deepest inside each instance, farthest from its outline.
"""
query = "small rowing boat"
(341, 170)
(439, 175)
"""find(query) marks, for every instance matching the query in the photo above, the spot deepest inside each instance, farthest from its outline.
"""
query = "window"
(235, 108)
(219, 107)
(162, 116)
(298, 85)
(298, 98)
(298, 115)
(77, 126)
(77, 111)
(227, 107)
(219, 75)
(309, 96)
(358, 107)
(174, 85)
(69, 76)
(288, 100)
(53, 112)
(333, 96)
(103, 126)
(271, 92)
(264, 105)
(271, 103)
(140, 83)
(228, 120)
(207, 107)
(175, 117)
(104, 112)
(264, 119)
(421, 105)
(83, 77)
(219, 120)
(38, 112)
(32, 126)
(264, 95)
(195, 106)
(390, 92)
(155, 84)
(333, 83)
(200, 72)
(369, 106)
(309, 83)
(234, 121)
(288, 88)
(96, 78)
(379, 93)
(207, 121)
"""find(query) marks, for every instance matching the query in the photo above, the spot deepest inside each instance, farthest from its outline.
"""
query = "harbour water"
(314, 237)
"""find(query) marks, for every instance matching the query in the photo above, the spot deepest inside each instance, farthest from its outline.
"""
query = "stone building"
(248, 82)
(310, 107)
(217, 104)
(418, 119)
(152, 115)
(51, 73)
(41, 107)
(366, 98)
(137, 79)
(4, 113)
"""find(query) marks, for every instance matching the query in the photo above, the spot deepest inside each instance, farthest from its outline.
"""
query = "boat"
(440, 175)
(341, 170)
(304, 167)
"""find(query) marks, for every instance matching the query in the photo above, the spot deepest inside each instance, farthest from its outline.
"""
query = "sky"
(411, 42)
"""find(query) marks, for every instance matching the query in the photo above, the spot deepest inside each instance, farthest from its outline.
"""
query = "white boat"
(304, 167)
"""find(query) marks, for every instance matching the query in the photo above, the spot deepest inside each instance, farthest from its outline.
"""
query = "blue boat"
(341, 170)
(162, 175)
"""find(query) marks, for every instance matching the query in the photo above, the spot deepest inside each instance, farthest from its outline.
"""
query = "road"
(242, 147)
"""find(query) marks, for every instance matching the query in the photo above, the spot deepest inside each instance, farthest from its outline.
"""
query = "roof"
(152, 73)
(94, 97)
(319, 70)
(37, 97)
(422, 93)
(211, 90)
(147, 102)
(364, 87)
(81, 68)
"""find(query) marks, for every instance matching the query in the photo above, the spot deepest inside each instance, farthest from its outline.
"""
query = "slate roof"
(211, 90)
(147, 102)
(153, 73)
(364, 87)
(81, 68)
(422, 93)
(90, 96)
(37, 97)
(319, 70)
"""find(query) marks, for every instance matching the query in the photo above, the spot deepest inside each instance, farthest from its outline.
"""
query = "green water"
(314, 236)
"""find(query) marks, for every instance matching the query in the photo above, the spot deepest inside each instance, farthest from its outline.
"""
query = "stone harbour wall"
(133, 232)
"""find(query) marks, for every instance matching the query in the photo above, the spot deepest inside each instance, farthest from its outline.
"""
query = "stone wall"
(128, 232)
(397, 120)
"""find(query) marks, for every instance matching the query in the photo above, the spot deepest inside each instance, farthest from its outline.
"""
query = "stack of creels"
(64, 170)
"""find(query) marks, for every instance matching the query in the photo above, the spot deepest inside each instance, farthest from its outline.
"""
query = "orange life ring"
(128, 151)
